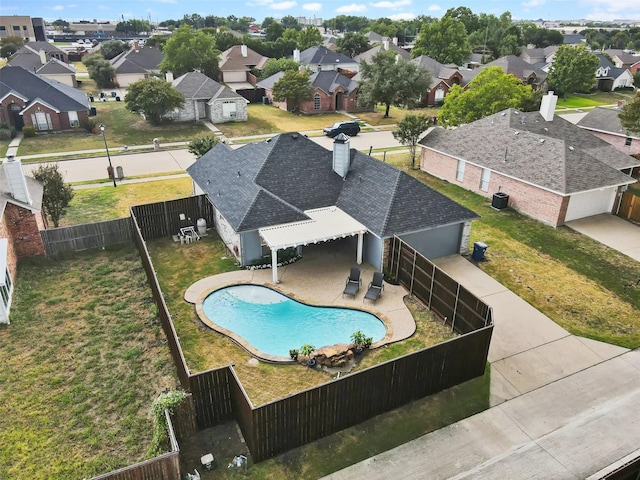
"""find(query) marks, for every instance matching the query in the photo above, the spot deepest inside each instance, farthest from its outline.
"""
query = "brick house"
(34, 100)
(605, 124)
(21, 219)
(332, 91)
(443, 77)
(550, 169)
(136, 64)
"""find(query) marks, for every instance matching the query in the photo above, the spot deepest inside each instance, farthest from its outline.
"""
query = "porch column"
(360, 241)
(274, 265)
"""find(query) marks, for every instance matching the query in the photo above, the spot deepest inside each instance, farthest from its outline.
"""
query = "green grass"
(4, 145)
(395, 115)
(82, 361)
(595, 99)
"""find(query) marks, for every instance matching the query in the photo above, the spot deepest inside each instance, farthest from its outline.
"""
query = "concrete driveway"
(612, 231)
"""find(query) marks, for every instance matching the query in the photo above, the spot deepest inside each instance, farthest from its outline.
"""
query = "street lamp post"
(104, 137)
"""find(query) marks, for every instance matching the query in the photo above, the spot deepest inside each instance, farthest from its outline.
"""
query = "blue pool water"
(274, 323)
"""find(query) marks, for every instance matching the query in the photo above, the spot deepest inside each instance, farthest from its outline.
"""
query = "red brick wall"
(12, 257)
(55, 117)
(5, 113)
(24, 227)
(619, 142)
(548, 207)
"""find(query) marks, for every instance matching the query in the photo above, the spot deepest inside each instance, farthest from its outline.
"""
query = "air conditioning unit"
(500, 201)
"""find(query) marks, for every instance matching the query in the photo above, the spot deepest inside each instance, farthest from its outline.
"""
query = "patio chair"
(375, 288)
(353, 283)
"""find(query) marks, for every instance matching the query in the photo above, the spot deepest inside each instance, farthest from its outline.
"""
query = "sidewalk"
(562, 406)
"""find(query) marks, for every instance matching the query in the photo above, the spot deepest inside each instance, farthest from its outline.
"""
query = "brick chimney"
(548, 106)
(136, 46)
(16, 180)
(341, 155)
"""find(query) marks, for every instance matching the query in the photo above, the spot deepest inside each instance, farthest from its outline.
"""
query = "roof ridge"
(392, 198)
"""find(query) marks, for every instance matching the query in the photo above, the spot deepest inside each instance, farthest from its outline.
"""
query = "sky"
(159, 10)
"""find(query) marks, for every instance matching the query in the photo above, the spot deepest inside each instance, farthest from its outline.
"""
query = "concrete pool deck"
(318, 278)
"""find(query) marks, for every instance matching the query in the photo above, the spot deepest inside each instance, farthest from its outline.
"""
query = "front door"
(16, 119)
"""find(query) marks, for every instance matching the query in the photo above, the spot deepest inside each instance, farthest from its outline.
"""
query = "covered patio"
(318, 278)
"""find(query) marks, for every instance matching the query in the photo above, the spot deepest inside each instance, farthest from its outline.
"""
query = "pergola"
(324, 224)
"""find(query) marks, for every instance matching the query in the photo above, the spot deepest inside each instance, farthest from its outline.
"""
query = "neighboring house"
(551, 169)
(609, 77)
(375, 37)
(50, 51)
(476, 61)
(529, 74)
(622, 59)
(574, 39)
(443, 77)
(50, 67)
(539, 56)
(332, 91)
(330, 42)
(34, 100)
(384, 45)
(321, 58)
(21, 220)
(236, 64)
(136, 64)
(605, 124)
(206, 98)
(289, 192)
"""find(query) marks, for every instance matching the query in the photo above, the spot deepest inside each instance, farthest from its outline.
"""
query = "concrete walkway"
(612, 231)
(562, 406)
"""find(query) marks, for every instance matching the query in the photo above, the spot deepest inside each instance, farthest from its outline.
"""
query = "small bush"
(29, 131)
(91, 125)
(5, 133)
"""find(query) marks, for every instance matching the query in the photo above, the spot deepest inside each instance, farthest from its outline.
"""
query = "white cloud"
(402, 16)
(392, 5)
(434, 8)
(282, 5)
(353, 8)
(533, 3)
(312, 7)
(57, 8)
(259, 3)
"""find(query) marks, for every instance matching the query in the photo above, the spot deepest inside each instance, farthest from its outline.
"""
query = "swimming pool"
(274, 323)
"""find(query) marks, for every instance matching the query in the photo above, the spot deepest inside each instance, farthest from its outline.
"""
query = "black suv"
(350, 128)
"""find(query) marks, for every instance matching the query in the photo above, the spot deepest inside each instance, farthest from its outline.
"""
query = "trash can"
(500, 201)
(478, 251)
(110, 172)
(120, 172)
(201, 223)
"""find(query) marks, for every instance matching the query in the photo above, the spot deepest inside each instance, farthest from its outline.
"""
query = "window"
(73, 119)
(484, 180)
(316, 101)
(16, 28)
(3, 28)
(229, 109)
(460, 170)
(628, 141)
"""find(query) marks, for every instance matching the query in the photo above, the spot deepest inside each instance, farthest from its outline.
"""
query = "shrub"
(5, 133)
(29, 131)
(91, 125)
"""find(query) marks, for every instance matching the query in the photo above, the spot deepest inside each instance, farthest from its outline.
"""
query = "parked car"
(350, 128)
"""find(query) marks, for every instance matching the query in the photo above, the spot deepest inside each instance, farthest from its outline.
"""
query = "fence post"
(433, 277)
(413, 273)
(455, 308)
(398, 264)
(166, 217)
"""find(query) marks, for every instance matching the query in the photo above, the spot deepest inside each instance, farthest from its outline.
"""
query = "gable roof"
(554, 155)
(232, 59)
(329, 80)
(143, 60)
(27, 59)
(323, 56)
(538, 53)
(385, 45)
(267, 83)
(604, 120)
(625, 58)
(276, 181)
(438, 70)
(38, 45)
(513, 65)
(34, 87)
(606, 69)
(56, 67)
(197, 86)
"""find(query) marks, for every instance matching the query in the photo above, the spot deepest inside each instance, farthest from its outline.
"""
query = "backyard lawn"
(582, 100)
(82, 361)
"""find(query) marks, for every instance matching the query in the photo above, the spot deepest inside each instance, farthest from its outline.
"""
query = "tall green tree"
(444, 40)
(489, 92)
(10, 45)
(188, 50)
(113, 48)
(153, 97)
(99, 69)
(630, 115)
(352, 44)
(275, 65)
(133, 26)
(309, 37)
(56, 196)
(294, 88)
(273, 32)
(573, 70)
(391, 81)
(409, 130)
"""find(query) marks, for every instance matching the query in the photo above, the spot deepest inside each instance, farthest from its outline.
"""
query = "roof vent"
(516, 112)
(294, 136)
(541, 140)
(238, 173)
(570, 148)
(503, 114)
(545, 129)
(516, 132)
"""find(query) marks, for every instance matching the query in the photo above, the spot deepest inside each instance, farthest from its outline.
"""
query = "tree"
(294, 88)
(154, 97)
(100, 70)
(112, 48)
(444, 40)
(636, 79)
(489, 92)
(409, 131)
(133, 26)
(10, 45)
(56, 196)
(573, 70)
(274, 65)
(352, 44)
(273, 32)
(630, 115)
(390, 81)
(309, 37)
(202, 144)
(187, 51)
(289, 21)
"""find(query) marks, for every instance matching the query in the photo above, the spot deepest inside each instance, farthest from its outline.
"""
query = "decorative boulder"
(334, 356)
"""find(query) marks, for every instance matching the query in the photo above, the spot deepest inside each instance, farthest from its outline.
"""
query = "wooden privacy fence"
(166, 466)
(630, 207)
(160, 219)
(87, 236)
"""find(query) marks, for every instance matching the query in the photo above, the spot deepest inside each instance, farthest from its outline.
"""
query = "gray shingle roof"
(145, 59)
(438, 70)
(33, 87)
(196, 85)
(27, 59)
(274, 182)
(554, 155)
(56, 67)
(604, 120)
(328, 81)
(267, 83)
(232, 60)
(516, 66)
(368, 55)
(322, 56)
(606, 66)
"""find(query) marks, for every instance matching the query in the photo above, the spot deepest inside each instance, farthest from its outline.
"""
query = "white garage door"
(591, 203)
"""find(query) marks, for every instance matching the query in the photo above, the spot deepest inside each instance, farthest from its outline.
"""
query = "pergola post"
(274, 265)
(360, 242)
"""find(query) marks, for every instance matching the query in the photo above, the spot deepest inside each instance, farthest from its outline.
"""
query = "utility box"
(500, 201)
